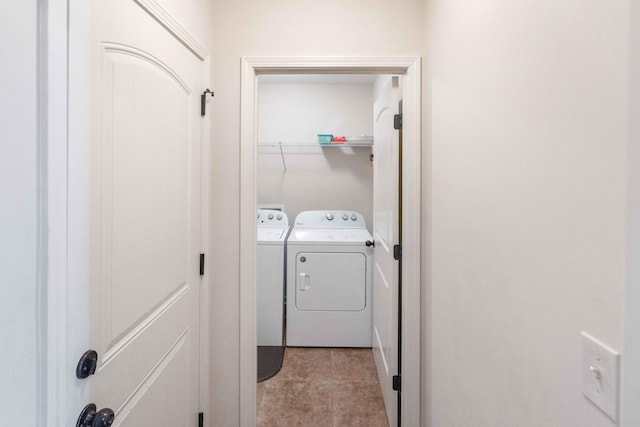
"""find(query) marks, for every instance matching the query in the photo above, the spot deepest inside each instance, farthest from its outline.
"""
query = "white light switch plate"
(600, 375)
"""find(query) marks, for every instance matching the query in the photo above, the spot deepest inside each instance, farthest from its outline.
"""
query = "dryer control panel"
(330, 219)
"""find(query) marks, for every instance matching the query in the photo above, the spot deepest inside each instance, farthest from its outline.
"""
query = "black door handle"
(370, 243)
(90, 418)
(104, 418)
(87, 364)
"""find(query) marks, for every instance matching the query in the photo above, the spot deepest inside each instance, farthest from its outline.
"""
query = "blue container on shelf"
(325, 138)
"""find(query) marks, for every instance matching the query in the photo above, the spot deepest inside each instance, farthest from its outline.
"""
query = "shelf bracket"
(284, 164)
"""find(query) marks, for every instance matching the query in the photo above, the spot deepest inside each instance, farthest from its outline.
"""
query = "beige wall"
(315, 178)
(525, 137)
(525, 126)
(276, 28)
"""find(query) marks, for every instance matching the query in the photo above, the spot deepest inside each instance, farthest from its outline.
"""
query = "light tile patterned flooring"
(322, 387)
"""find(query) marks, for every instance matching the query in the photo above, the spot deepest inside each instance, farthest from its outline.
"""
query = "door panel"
(150, 405)
(145, 218)
(386, 226)
(143, 203)
(382, 327)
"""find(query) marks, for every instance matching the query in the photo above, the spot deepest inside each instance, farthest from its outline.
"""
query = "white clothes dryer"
(272, 229)
(329, 275)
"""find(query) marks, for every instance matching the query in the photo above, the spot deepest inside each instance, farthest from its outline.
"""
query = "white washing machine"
(272, 229)
(329, 275)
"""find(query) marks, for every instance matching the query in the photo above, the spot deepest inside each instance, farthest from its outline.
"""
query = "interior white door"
(386, 234)
(145, 218)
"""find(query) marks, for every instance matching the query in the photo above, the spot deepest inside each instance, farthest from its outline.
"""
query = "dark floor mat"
(269, 361)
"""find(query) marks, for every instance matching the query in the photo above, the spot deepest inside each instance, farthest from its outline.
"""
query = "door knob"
(90, 418)
(87, 364)
(370, 243)
(104, 418)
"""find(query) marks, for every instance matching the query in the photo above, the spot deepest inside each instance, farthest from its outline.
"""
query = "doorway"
(409, 68)
(315, 134)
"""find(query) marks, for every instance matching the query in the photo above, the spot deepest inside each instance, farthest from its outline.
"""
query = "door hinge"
(203, 101)
(201, 419)
(397, 121)
(397, 252)
(202, 264)
(396, 383)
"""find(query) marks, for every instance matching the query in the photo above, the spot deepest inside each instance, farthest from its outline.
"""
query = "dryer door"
(327, 281)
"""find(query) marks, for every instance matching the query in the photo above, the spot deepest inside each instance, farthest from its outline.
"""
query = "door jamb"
(410, 67)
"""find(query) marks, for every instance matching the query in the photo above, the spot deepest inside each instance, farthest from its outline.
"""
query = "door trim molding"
(157, 12)
(410, 68)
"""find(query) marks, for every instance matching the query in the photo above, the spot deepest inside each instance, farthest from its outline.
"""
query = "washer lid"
(333, 236)
(271, 234)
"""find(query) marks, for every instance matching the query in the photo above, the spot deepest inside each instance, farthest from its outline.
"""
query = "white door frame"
(410, 68)
(67, 91)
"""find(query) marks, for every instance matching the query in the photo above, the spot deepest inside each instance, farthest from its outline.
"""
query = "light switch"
(600, 375)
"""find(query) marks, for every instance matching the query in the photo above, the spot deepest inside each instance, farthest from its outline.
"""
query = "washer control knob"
(279, 217)
(270, 216)
(353, 217)
(345, 217)
(329, 216)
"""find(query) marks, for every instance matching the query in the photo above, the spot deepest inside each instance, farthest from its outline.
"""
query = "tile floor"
(323, 387)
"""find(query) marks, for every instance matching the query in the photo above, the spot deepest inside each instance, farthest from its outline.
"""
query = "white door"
(386, 234)
(145, 218)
